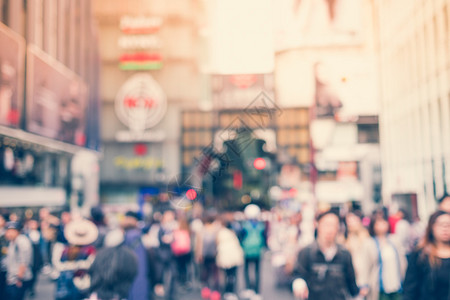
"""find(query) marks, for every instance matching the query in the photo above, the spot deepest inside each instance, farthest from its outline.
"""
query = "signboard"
(56, 99)
(240, 90)
(123, 163)
(12, 59)
(141, 103)
(140, 43)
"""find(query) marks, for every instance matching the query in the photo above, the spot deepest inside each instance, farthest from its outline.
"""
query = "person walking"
(428, 273)
(18, 262)
(324, 269)
(253, 241)
(206, 251)
(229, 257)
(3, 252)
(355, 238)
(132, 239)
(113, 273)
(73, 260)
(385, 263)
(181, 249)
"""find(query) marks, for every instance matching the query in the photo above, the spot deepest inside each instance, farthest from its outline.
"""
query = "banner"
(12, 59)
(56, 99)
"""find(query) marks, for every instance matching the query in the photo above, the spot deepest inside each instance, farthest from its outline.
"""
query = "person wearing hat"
(324, 269)
(74, 260)
(17, 262)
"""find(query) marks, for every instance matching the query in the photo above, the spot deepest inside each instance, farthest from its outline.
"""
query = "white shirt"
(390, 273)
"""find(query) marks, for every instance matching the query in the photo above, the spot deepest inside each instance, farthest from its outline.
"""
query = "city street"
(155, 143)
(45, 288)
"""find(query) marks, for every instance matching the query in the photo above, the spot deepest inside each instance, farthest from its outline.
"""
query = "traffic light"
(191, 194)
(259, 163)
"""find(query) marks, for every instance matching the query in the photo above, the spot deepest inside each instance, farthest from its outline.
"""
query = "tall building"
(414, 46)
(325, 59)
(149, 72)
(49, 112)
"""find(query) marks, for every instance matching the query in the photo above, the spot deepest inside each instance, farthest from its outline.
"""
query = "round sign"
(141, 102)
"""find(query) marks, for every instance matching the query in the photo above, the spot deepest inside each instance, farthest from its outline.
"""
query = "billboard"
(312, 23)
(56, 99)
(12, 59)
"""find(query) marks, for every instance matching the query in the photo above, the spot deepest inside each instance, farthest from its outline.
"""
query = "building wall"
(179, 78)
(414, 47)
(63, 38)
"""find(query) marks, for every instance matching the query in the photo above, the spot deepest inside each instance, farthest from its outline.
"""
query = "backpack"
(253, 241)
(181, 242)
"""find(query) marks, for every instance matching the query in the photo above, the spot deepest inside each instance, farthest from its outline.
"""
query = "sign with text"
(141, 103)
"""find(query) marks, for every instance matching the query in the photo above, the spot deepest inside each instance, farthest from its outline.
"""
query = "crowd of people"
(171, 252)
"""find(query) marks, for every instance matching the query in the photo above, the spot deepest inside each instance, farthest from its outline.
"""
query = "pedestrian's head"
(12, 230)
(97, 215)
(130, 220)
(444, 203)
(437, 232)
(32, 224)
(252, 212)
(327, 226)
(66, 217)
(2, 221)
(404, 214)
(168, 217)
(113, 272)
(353, 220)
(379, 225)
(44, 213)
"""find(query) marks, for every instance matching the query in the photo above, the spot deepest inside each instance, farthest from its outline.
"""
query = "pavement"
(269, 291)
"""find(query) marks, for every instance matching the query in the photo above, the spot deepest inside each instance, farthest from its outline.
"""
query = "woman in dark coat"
(428, 273)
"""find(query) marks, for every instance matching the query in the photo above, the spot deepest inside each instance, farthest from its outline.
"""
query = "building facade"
(49, 110)
(325, 59)
(414, 46)
(152, 44)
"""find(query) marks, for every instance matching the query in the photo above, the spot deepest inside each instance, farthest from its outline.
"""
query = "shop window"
(368, 134)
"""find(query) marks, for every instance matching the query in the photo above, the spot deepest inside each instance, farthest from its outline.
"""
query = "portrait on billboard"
(318, 23)
(12, 59)
(56, 99)
(344, 88)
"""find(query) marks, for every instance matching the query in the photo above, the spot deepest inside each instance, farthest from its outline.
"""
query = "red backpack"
(181, 242)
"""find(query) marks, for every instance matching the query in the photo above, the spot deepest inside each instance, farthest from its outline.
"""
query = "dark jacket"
(139, 289)
(327, 280)
(424, 282)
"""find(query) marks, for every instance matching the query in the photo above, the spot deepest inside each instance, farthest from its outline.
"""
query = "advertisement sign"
(12, 59)
(240, 90)
(140, 43)
(140, 104)
(344, 88)
(56, 99)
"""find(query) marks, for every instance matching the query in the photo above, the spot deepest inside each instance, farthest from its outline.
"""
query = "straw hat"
(81, 232)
